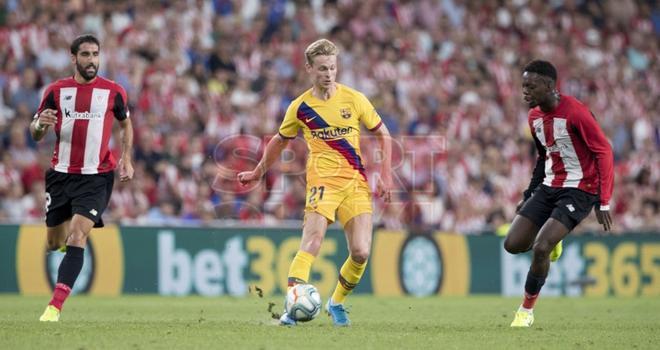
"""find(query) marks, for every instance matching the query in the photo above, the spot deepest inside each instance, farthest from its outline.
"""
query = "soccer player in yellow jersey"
(330, 115)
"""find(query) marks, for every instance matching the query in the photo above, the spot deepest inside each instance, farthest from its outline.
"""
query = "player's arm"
(122, 114)
(272, 152)
(41, 123)
(537, 175)
(45, 117)
(126, 161)
(586, 125)
(288, 131)
(371, 120)
(384, 187)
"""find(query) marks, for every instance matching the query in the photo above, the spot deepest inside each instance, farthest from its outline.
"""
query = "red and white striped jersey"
(574, 148)
(85, 113)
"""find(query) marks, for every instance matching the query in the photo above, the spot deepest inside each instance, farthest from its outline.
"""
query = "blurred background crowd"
(209, 80)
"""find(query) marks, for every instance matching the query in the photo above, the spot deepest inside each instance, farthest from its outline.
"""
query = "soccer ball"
(303, 302)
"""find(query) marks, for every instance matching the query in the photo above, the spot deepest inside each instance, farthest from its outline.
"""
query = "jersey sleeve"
(120, 104)
(539, 169)
(368, 114)
(47, 101)
(290, 125)
(593, 136)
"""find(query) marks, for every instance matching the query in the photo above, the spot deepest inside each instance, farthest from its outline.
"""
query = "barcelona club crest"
(345, 113)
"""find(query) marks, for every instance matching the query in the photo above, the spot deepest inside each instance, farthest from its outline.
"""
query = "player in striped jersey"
(574, 172)
(81, 110)
(329, 115)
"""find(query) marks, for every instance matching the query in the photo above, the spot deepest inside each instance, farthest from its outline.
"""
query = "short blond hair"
(321, 47)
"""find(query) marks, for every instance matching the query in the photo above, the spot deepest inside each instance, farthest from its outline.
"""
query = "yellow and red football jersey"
(332, 131)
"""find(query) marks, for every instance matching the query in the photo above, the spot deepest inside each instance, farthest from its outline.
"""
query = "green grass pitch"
(477, 322)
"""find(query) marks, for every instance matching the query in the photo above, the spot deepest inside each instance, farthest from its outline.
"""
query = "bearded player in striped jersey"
(574, 173)
(81, 110)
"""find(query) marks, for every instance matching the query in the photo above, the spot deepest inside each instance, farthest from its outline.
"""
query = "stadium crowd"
(208, 82)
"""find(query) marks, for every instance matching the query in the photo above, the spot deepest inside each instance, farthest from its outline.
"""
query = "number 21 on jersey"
(314, 191)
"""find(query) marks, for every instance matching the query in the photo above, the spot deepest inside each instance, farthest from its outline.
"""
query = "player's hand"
(246, 177)
(125, 170)
(604, 218)
(384, 188)
(47, 117)
(520, 205)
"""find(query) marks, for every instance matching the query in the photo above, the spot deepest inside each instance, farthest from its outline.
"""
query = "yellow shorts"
(348, 198)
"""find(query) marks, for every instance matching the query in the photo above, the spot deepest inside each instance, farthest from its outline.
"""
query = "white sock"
(521, 308)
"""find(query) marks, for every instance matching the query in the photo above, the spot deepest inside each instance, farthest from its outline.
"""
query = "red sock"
(529, 300)
(60, 294)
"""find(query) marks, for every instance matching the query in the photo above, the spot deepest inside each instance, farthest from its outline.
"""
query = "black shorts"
(68, 194)
(567, 205)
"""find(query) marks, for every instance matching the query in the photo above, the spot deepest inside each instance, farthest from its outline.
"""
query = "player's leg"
(73, 259)
(355, 213)
(581, 203)
(314, 228)
(571, 207)
(89, 195)
(58, 222)
(321, 204)
(70, 266)
(550, 234)
(58, 210)
(531, 217)
(358, 232)
(57, 235)
(521, 235)
(520, 238)
(56, 240)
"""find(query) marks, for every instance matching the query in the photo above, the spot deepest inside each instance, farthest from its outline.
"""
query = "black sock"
(533, 284)
(71, 265)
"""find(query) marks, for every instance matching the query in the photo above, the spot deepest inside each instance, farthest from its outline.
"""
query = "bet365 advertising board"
(232, 261)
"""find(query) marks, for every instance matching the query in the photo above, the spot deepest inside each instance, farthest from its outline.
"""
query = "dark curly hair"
(540, 67)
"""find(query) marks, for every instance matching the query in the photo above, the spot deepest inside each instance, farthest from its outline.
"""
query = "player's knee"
(542, 249)
(360, 254)
(78, 237)
(511, 247)
(312, 244)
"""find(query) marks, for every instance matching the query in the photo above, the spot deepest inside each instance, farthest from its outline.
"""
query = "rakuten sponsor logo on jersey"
(331, 133)
(81, 115)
